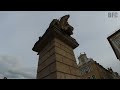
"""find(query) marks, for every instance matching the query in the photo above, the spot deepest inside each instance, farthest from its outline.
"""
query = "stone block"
(44, 72)
(62, 47)
(78, 78)
(68, 51)
(57, 45)
(47, 62)
(68, 56)
(39, 75)
(62, 67)
(58, 41)
(60, 75)
(50, 60)
(67, 76)
(62, 43)
(60, 51)
(51, 45)
(41, 66)
(73, 71)
(67, 46)
(46, 49)
(59, 57)
(43, 52)
(75, 64)
(73, 57)
(67, 61)
(51, 76)
(53, 67)
(51, 51)
(77, 72)
(71, 52)
(47, 55)
(42, 59)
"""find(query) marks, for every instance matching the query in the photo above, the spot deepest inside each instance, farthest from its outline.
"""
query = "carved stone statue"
(68, 29)
(63, 24)
(54, 22)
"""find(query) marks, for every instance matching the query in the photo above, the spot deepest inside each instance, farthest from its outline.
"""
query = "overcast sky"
(19, 30)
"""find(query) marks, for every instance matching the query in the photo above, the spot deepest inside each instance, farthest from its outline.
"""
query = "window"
(85, 70)
(117, 41)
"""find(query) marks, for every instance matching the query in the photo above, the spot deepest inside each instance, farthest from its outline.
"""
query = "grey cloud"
(12, 68)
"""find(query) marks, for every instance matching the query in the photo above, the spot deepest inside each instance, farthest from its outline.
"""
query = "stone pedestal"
(56, 56)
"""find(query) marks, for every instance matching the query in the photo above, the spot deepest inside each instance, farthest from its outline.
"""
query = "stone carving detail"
(63, 24)
(54, 22)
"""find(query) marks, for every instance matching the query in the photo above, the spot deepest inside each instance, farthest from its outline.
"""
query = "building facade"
(114, 41)
(90, 69)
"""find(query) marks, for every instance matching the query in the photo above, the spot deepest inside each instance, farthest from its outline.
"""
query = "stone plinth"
(56, 56)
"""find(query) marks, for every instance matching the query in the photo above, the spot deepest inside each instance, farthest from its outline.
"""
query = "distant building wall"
(90, 69)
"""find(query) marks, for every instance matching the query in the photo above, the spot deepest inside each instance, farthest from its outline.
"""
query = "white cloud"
(12, 68)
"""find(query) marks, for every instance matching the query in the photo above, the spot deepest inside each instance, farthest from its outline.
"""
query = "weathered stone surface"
(69, 51)
(77, 72)
(47, 62)
(67, 76)
(57, 44)
(46, 49)
(67, 61)
(57, 40)
(62, 44)
(43, 73)
(69, 56)
(51, 76)
(73, 57)
(60, 75)
(60, 51)
(73, 71)
(75, 64)
(62, 67)
(41, 66)
(52, 51)
(78, 78)
(59, 57)
(53, 67)
(48, 55)
(42, 59)
(62, 47)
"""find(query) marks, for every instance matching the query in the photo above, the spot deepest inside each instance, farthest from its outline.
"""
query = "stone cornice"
(54, 32)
